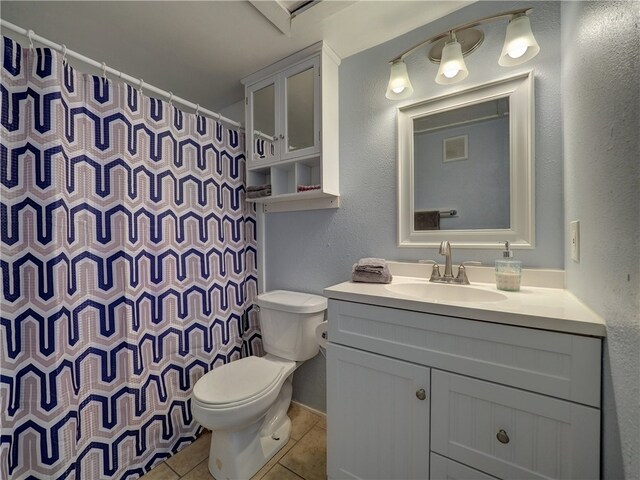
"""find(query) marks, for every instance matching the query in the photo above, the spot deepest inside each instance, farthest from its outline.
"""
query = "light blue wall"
(480, 192)
(235, 111)
(311, 250)
(601, 122)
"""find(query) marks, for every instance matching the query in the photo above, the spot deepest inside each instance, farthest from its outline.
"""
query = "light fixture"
(519, 43)
(399, 84)
(450, 48)
(452, 67)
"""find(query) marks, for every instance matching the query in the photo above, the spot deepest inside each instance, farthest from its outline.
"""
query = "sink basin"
(439, 292)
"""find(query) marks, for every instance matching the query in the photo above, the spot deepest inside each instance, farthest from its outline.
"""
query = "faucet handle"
(470, 262)
(435, 271)
(462, 272)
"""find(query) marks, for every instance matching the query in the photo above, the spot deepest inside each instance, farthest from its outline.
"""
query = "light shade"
(452, 67)
(519, 43)
(399, 84)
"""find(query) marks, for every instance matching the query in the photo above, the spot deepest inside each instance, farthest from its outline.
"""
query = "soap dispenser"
(508, 271)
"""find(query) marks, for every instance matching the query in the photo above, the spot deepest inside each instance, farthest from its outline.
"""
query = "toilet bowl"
(245, 402)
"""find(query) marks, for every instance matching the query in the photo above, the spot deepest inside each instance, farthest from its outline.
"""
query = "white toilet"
(245, 402)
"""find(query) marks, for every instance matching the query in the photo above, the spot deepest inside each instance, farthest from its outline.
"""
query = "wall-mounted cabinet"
(291, 110)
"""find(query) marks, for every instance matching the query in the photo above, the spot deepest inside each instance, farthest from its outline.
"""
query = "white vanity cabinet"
(501, 401)
(291, 112)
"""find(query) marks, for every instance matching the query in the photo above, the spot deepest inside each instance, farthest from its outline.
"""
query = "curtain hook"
(64, 54)
(104, 70)
(171, 99)
(197, 109)
(140, 87)
(30, 35)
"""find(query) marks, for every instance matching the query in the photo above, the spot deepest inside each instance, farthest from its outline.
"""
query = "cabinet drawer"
(510, 433)
(446, 469)
(557, 364)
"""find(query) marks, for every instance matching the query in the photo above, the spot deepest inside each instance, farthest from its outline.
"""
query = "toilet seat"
(241, 382)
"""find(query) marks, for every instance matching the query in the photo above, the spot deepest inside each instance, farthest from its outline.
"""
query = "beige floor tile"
(322, 423)
(201, 472)
(187, 458)
(301, 420)
(278, 472)
(308, 458)
(263, 471)
(161, 472)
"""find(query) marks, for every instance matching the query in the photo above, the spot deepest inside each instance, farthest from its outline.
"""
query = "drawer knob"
(421, 394)
(502, 437)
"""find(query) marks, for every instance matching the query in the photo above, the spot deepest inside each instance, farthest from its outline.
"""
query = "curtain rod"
(122, 76)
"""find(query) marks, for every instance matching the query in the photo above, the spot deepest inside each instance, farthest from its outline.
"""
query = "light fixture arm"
(510, 14)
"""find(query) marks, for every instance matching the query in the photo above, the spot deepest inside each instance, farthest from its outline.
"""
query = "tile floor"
(303, 458)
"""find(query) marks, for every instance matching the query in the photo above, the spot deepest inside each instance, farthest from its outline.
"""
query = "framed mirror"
(466, 167)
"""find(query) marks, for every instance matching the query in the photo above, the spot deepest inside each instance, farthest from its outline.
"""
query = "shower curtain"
(128, 270)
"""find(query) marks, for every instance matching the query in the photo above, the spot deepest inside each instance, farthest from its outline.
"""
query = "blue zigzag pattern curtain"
(128, 270)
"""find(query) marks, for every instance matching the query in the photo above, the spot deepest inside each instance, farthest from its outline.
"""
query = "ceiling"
(201, 50)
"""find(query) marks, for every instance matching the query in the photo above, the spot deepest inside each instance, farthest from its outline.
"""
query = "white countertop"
(554, 309)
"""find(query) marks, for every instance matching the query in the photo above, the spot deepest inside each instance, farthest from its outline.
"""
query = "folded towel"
(306, 188)
(255, 188)
(372, 265)
(259, 193)
(371, 270)
(378, 276)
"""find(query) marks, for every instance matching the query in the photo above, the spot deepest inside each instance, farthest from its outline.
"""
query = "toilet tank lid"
(295, 302)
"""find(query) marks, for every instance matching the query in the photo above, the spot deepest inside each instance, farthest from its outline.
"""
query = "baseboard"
(312, 410)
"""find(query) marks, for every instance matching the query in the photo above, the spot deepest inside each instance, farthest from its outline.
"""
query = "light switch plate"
(574, 239)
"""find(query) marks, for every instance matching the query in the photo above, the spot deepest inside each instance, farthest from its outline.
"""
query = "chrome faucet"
(445, 249)
(460, 279)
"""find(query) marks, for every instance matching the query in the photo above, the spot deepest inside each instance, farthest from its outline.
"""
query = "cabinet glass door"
(264, 143)
(301, 110)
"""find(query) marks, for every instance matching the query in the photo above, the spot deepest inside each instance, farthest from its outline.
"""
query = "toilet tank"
(288, 321)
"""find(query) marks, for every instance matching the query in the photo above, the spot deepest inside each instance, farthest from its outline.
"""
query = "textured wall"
(311, 250)
(601, 105)
(235, 111)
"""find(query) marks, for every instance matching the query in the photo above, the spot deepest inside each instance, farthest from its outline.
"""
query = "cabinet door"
(301, 114)
(378, 416)
(262, 122)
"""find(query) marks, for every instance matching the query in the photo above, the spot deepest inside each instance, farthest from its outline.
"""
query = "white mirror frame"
(521, 233)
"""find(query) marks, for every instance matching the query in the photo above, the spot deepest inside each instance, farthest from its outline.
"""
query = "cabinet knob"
(281, 137)
(421, 394)
(502, 437)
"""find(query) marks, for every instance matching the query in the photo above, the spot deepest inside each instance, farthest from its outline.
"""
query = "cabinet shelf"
(288, 202)
(286, 197)
(257, 166)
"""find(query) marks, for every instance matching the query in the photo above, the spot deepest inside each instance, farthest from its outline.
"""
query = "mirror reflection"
(461, 169)
(264, 111)
(300, 110)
